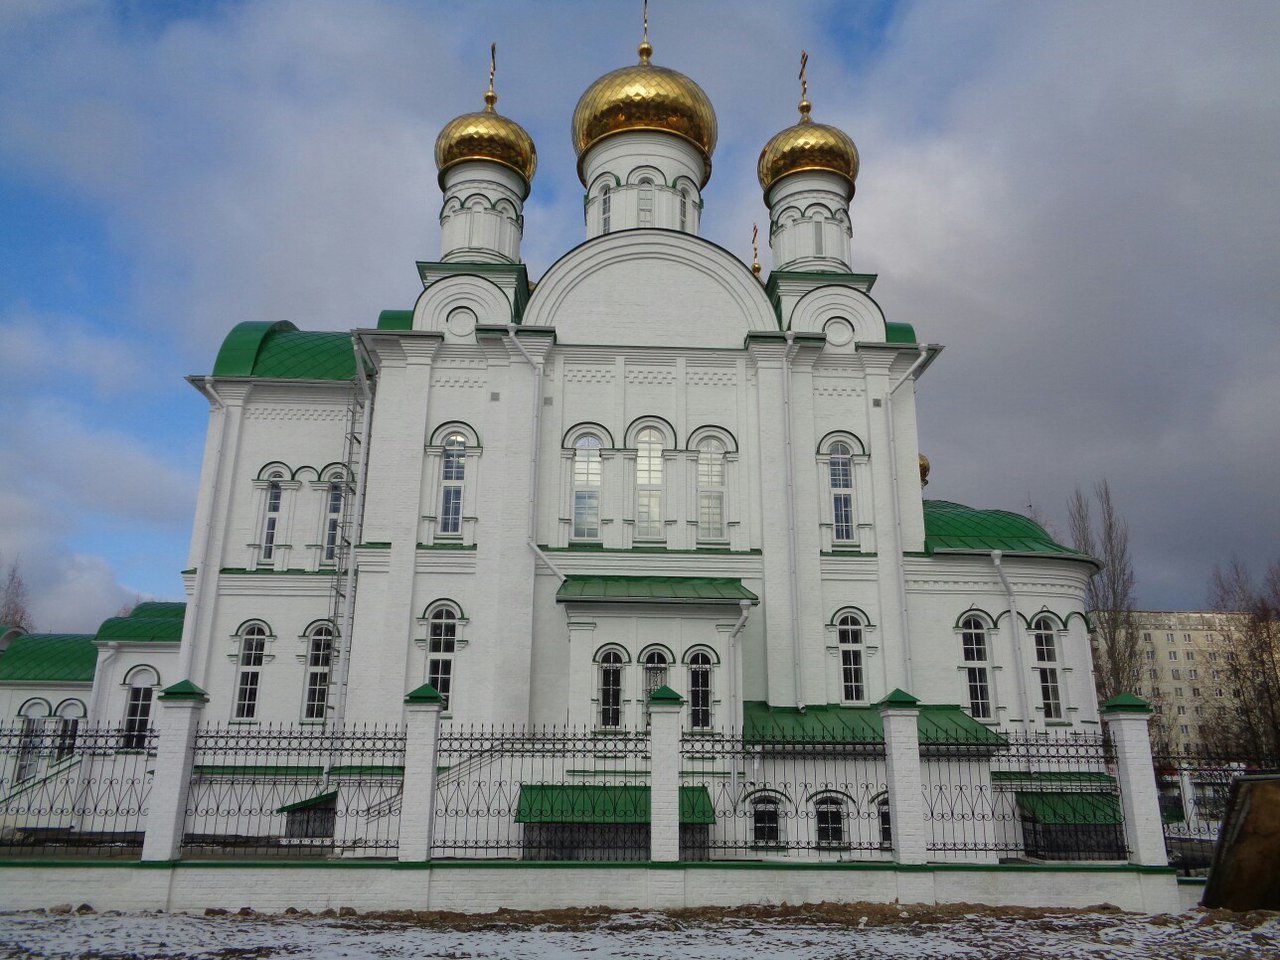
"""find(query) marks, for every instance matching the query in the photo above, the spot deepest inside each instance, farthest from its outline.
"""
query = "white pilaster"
(418, 805)
(181, 707)
(899, 713)
(665, 709)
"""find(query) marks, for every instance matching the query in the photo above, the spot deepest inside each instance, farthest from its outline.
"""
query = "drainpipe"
(735, 693)
(791, 517)
(897, 507)
(187, 651)
(1014, 626)
(533, 461)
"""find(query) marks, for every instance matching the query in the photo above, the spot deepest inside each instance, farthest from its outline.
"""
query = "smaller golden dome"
(808, 146)
(486, 135)
(924, 470)
(645, 97)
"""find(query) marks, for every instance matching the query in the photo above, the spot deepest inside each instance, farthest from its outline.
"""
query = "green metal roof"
(395, 320)
(654, 590)
(282, 351)
(1055, 778)
(1070, 809)
(937, 724)
(50, 658)
(899, 333)
(151, 622)
(593, 803)
(953, 526)
(315, 801)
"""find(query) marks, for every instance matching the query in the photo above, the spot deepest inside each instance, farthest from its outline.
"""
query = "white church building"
(534, 505)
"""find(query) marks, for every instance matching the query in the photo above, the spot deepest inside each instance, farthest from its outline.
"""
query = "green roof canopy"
(955, 527)
(50, 658)
(592, 803)
(315, 801)
(281, 351)
(1075, 809)
(937, 724)
(151, 622)
(654, 590)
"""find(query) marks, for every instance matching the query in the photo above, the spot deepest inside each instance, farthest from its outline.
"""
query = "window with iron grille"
(766, 824)
(610, 690)
(828, 821)
(655, 676)
(700, 691)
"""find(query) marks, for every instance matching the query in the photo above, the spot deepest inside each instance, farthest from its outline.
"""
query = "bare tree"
(127, 607)
(1098, 530)
(1248, 722)
(14, 608)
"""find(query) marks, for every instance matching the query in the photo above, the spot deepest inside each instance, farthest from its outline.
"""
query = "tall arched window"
(655, 664)
(840, 467)
(711, 489)
(142, 682)
(646, 203)
(610, 690)
(442, 644)
(684, 209)
(649, 484)
(973, 636)
(333, 520)
(586, 487)
(453, 469)
(606, 208)
(1047, 659)
(319, 663)
(253, 649)
(33, 715)
(849, 639)
(700, 690)
(275, 495)
(70, 713)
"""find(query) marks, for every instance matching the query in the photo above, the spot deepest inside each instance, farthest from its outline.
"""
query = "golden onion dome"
(808, 146)
(645, 97)
(486, 135)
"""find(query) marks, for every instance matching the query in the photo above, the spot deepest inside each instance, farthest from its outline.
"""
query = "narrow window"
(700, 691)
(849, 637)
(610, 690)
(442, 643)
(333, 522)
(606, 208)
(655, 676)
(818, 226)
(68, 727)
(649, 484)
(710, 489)
(30, 740)
(1047, 658)
(886, 823)
(137, 718)
(684, 209)
(253, 647)
(452, 473)
(646, 203)
(828, 815)
(841, 472)
(974, 638)
(319, 660)
(275, 494)
(586, 488)
(766, 825)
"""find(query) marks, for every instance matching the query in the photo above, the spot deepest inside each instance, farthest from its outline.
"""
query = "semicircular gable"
(478, 294)
(822, 304)
(650, 288)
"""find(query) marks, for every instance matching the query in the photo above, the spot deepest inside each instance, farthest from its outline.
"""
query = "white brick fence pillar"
(899, 712)
(181, 707)
(1128, 718)
(418, 802)
(665, 708)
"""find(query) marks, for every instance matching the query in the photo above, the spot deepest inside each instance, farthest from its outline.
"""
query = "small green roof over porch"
(937, 724)
(683, 590)
(604, 804)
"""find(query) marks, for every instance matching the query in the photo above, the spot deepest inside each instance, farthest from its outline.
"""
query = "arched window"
(973, 636)
(142, 682)
(34, 715)
(70, 713)
(818, 226)
(711, 489)
(610, 690)
(275, 495)
(333, 520)
(646, 203)
(684, 208)
(886, 822)
(849, 640)
(319, 662)
(655, 675)
(829, 821)
(442, 644)
(840, 469)
(1047, 658)
(453, 468)
(253, 649)
(586, 487)
(700, 690)
(606, 208)
(649, 484)
(766, 819)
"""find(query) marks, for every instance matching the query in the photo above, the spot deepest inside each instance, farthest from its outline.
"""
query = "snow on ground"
(801, 934)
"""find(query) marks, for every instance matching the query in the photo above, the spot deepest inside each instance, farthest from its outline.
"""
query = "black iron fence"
(67, 788)
(1027, 797)
(542, 794)
(783, 798)
(295, 791)
(1194, 788)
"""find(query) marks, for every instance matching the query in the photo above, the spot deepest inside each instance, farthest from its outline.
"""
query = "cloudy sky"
(1080, 201)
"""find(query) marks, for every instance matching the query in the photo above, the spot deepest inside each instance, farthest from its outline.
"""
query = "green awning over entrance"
(654, 590)
(592, 803)
(1076, 809)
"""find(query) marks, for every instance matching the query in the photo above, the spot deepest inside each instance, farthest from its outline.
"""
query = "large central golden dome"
(486, 135)
(645, 97)
(808, 146)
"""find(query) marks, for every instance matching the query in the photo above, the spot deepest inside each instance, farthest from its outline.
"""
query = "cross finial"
(646, 48)
(490, 98)
(805, 105)
(755, 249)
